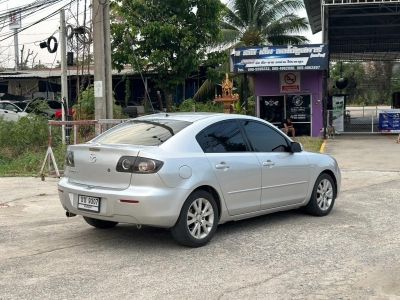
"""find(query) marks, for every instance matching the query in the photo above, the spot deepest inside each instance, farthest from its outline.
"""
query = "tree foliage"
(263, 22)
(369, 83)
(170, 37)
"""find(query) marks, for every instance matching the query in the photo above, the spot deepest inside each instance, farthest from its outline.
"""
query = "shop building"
(289, 83)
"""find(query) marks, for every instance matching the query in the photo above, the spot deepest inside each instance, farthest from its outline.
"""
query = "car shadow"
(145, 238)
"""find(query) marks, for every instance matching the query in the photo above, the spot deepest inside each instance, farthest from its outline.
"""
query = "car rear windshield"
(142, 132)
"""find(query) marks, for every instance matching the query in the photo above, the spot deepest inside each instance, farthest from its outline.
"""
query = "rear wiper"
(156, 124)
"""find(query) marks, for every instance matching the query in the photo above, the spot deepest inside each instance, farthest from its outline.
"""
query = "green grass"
(23, 146)
(312, 144)
(28, 163)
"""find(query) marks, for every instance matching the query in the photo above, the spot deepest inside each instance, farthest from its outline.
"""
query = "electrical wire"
(41, 20)
(32, 13)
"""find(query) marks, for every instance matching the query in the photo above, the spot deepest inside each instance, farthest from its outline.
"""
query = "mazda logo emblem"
(92, 158)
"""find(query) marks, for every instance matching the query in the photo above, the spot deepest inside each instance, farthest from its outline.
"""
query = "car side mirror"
(296, 147)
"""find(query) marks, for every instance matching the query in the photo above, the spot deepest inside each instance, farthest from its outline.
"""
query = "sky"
(32, 36)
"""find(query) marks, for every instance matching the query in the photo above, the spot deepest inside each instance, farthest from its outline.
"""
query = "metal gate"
(363, 120)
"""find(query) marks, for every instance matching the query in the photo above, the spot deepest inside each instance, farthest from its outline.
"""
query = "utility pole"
(16, 51)
(64, 78)
(15, 25)
(102, 58)
(107, 61)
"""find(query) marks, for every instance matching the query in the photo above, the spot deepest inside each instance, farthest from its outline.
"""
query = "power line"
(29, 12)
(41, 20)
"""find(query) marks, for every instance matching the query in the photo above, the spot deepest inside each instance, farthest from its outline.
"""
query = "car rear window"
(142, 132)
(54, 104)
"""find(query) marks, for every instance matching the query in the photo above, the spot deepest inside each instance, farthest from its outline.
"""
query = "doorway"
(275, 109)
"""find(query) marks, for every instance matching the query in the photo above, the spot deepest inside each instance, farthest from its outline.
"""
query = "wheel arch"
(214, 193)
(332, 175)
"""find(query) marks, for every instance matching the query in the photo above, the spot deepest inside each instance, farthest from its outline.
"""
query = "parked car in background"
(11, 112)
(192, 171)
(51, 109)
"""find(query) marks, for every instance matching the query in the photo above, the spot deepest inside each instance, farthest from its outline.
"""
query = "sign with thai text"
(280, 58)
(389, 121)
(15, 20)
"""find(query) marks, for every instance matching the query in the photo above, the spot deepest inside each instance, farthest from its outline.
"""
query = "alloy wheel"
(200, 218)
(324, 194)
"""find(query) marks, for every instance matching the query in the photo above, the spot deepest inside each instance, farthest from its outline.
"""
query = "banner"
(338, 113)
(280, 58)
(389, 121)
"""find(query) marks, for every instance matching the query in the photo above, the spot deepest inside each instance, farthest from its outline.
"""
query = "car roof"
(191, 116)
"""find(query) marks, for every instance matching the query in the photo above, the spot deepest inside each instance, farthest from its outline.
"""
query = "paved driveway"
(351, 254)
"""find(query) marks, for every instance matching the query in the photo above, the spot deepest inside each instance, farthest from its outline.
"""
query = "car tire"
(101, 224)
(197, 221)
(323, 196)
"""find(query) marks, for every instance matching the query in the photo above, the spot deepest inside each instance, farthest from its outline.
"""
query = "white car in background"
(10, 111)
(192, 171)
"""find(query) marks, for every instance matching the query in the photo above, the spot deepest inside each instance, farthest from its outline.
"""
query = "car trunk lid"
(95, 165)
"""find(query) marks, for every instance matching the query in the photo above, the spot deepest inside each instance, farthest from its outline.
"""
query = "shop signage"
(290, 82)
(389, 121)
(280, 58)
(298, 108)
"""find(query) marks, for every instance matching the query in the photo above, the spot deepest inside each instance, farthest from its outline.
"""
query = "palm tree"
(256, 23)
(263, 22)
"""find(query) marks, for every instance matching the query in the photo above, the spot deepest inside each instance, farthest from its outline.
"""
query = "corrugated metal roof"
(313, 8)
(50, 73)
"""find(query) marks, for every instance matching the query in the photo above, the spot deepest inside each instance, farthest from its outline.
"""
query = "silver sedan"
(192, 171)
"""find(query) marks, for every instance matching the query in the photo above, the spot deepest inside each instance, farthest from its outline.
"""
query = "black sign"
(280, 58)
(298, 108)
(272, 109)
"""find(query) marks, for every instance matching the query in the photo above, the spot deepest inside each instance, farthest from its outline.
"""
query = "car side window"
(263, 138)
(222, 137)
(9, 107)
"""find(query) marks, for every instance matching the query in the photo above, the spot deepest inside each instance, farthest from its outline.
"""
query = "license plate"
(89, 203)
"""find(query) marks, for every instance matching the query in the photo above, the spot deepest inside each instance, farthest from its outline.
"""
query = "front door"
(237, 169)
(275, 109)
(285, 175)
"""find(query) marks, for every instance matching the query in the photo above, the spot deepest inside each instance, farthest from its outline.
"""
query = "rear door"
(285, 175)
(237, 169)
(8, 113)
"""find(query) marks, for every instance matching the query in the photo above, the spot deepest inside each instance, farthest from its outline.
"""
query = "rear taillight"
(140, 165)
(69, 159)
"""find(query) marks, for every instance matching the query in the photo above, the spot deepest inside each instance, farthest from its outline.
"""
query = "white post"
(372, 123)
(64, 78)
(16, 51)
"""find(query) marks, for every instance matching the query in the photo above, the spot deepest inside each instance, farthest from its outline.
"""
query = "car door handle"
(221, 166)
(268, 163)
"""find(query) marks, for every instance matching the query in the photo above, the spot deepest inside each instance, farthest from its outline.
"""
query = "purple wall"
(267, 84)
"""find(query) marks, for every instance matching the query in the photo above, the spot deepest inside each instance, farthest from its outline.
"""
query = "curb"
(323, 146)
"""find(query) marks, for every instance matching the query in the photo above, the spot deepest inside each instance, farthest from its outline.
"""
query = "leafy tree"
(170, 37)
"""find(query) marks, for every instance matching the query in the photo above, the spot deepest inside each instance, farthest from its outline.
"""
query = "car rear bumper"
(153, 206)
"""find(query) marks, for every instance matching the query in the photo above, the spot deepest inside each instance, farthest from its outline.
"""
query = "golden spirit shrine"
(227, 97)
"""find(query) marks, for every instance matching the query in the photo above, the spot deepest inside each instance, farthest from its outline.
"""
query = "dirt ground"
(354, 253)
